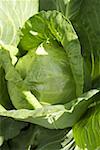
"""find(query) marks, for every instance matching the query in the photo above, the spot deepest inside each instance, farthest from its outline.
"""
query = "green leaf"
(85, 17)
(55, 116)
(47, 5)
(20, 92)
(24, 140)
(37, 138)
(9, 128)
(13, 15)
(59, 5)
(53, 138)
(86, 131)
(4, 96)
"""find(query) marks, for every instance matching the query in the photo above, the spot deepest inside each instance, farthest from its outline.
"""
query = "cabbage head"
(46, 83)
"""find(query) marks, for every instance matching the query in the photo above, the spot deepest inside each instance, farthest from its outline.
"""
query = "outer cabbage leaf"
(52, 139)
(87, 130)
(9, 128)
(13, 14)
(4, 96)
(29, 101)
(59, 5)
(24, 140)
(55, 116)
(85, 16)
(47, 5)
(37, 138)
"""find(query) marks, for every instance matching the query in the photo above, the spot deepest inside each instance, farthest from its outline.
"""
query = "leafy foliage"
(85, 17)
(49, 75)
(87, 135)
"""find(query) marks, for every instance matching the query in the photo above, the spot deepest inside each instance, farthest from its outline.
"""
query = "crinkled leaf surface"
(87, 130)
(48, 76)
(46, 28)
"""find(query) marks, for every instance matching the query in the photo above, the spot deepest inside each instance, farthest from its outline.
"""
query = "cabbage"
(49, 76)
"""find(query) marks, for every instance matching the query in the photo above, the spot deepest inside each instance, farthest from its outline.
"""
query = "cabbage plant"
(49, 81)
